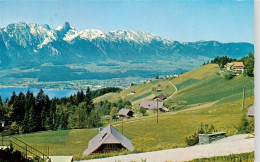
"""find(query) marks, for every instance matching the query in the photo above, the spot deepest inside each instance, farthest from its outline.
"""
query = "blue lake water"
(59, 93)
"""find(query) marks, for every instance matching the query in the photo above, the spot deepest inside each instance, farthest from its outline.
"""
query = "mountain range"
(29, 45)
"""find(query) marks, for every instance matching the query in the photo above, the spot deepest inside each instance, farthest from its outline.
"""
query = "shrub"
(194, 139)
(113, 112)
(143, 111)
(245, 125)
(9, 154)
(228, 75)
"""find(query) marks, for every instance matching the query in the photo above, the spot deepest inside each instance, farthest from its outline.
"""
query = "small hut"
(160, 96)
(126, 113)
(109, 139)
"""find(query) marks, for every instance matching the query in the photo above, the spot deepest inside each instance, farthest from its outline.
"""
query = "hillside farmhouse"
(152, 105)
(237, 67)
(109, 139)
(132, 92)
(251, 111)
(126, 113)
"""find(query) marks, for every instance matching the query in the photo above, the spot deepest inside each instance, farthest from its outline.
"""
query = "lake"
(59, 93)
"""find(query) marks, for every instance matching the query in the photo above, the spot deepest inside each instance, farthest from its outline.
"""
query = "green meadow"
(197, 87)
(202, 85)
(146, 135)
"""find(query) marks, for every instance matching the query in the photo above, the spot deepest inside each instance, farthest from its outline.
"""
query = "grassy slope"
(197, 86)
(143, 91)
(146, 135)
(205, 85)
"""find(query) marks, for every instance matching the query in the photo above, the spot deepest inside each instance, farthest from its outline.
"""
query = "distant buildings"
(152, 105)
(126, 113)
(237, 67)
(171, 76)
(109, 139)
(132, 92)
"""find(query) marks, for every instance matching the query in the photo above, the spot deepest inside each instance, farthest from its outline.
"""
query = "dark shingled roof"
(161, 96)
(251, 111)
(108, 135)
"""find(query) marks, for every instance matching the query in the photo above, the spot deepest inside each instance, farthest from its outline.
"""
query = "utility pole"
(243, 99)
(122, 127)
(252, 87)
(232, 92)
(157, 109)
(79, 118)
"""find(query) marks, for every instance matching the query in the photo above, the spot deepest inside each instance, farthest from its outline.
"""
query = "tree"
(89, 102)
(156, 77)
(1, 102)
(249, 61)
(113, 112)
(30, 113)
(18, 108)
(143, 111)
(94, 120)
(40, 109)
(13, 98)
(221, 61)
(80, 96)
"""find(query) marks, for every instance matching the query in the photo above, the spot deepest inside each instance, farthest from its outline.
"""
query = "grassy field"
(142, 91)
(248, 157)
(198, 86)
(146, 135)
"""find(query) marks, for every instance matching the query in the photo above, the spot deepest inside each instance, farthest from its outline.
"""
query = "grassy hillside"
(142, 92)
(146, 135)
(207, 84)
(201, 85)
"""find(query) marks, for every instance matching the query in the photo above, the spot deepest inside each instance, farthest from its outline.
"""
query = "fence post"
(26, 151)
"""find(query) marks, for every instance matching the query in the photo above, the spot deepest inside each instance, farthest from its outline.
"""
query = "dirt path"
(230, 145)
(173, 92)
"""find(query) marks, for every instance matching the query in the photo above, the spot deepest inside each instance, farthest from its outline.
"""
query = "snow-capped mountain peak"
(91, 34)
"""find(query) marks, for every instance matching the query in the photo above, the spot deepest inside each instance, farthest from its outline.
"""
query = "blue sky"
(181, 20)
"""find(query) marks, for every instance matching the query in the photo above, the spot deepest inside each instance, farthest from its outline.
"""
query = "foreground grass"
(246, 157)
(146, 135)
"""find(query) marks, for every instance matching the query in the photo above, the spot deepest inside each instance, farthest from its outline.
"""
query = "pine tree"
(1, 102)
(27, 107)
(39, 109)
(89, 102)
(13, 98)
(18, 108)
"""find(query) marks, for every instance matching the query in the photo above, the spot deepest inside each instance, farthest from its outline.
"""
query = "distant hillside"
(201, 85)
